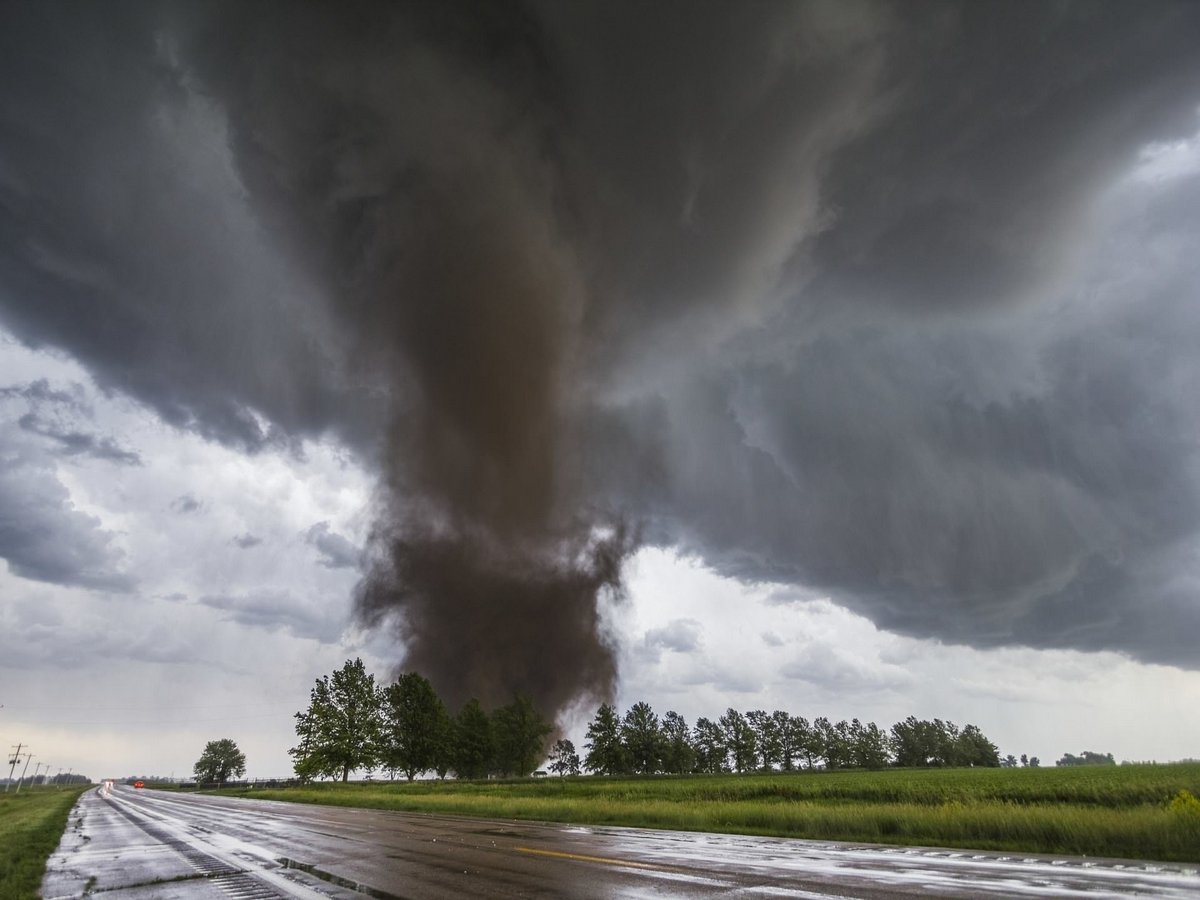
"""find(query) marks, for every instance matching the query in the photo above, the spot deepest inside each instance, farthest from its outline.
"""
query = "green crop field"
(31, 824)
(1138, 811)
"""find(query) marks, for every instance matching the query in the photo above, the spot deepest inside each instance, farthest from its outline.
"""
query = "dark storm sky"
(883, 300)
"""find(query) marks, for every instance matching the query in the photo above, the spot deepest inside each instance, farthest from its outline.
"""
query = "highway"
(128, 843)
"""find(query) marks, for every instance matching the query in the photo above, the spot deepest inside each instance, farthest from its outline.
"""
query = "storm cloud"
(888, 302)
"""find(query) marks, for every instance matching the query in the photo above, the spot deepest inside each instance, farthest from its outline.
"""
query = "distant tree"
(605, 751)
(678, 754)
(415, 723)
(340, 731)
(220, 760)
(787, 749)
(1034, 762)
(1087, 758)
(563, 758)
(923, 743)
(739, 739)
(766, 738)
(870, 747)
(520, 734)
(641, 736)
(974, 749)
(712, 750)
(1009, 762)
(834, 741)
(805, 741)
(1024, 759)
(473, 748)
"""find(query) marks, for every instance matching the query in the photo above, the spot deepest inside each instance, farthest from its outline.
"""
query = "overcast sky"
(833, 357)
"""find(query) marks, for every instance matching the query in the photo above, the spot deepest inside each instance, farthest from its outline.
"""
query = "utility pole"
(28, 757)
(16, 758)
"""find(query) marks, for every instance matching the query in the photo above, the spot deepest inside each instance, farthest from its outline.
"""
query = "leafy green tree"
(564, 760)
(739, 738)
(766, 738)
(473, 747)
(835, 742)
(805, 740)
(605, 751)
(974, 749)
(1087, 758)
(870, 747)
(219, 761)
(340, 731)
(641, 737)
(712, 750)
(414, 726)
(1034, 762)
(678, 754)
(520, 735)
(915, 743)
(307, 764)
(785, 736)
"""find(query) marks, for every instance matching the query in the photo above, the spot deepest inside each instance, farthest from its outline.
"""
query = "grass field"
(31, 824)
(1144, 811)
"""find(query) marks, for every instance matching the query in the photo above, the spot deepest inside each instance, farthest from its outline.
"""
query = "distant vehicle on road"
(139, 784)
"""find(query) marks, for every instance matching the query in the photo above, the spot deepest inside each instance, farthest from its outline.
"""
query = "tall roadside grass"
(1147, 812)
(31, 824)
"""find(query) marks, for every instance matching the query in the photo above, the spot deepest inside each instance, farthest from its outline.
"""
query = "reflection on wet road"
(151, 844)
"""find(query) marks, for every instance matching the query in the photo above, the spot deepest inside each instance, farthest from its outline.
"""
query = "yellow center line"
(579, 857)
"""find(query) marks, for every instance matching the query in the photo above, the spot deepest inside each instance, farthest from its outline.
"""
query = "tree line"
(639, 743)
(352, 724)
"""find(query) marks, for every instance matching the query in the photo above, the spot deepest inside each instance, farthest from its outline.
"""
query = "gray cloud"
(75, 443)
(246, 541)
(679, 635)
(186, 504)
(277, 610)
(337, 552)
(61, 416)
(826, 667)
(833, 295)
(44, 537)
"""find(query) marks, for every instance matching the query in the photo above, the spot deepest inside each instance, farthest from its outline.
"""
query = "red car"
(139, 784)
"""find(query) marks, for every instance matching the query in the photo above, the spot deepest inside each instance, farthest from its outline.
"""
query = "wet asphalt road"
(151, 844)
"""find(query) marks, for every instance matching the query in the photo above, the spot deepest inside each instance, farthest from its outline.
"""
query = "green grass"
(1127, 811)
(31, 824)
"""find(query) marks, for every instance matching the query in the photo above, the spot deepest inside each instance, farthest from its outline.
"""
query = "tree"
(1087, 758)
(641, 737)
(1009, 762)
(739, 738)
(712, 751)
(340, 731)
(974, 749)
(563, 758)
(520, 735)
(1034, 762)
(766, 738)
(473, 747)
(678, 754)
(415, 723)
(1024, 759)
(605, 751)
(869, 746)
(805, 740)
(219, 761)
(786, 736)
(917, 742)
